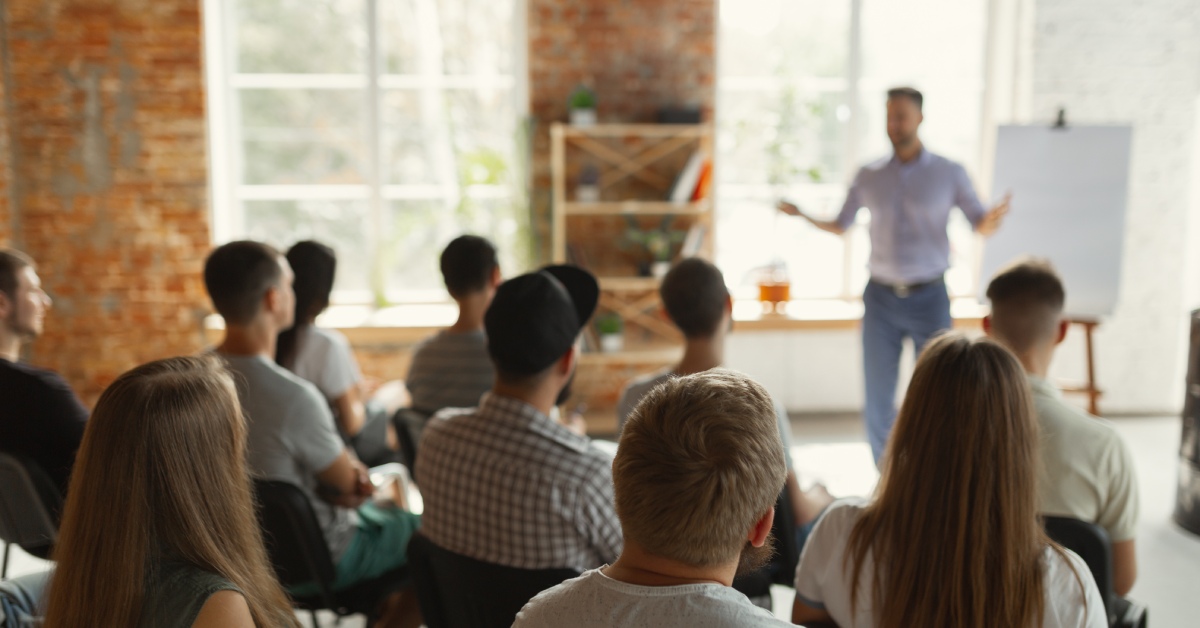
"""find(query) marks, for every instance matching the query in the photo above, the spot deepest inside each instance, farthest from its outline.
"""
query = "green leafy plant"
(582, 98)
(656, 242)
(609, 324)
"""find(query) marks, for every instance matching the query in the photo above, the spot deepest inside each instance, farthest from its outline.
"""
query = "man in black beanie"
(504, 483)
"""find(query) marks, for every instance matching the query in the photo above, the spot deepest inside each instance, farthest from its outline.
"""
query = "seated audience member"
(159, 528)
(291, 432)
(504, 483)
(323, 356)
(1087, 470)
(698, 302)
(42, 419)
(696, 476)
(452, 369)
(952, 537)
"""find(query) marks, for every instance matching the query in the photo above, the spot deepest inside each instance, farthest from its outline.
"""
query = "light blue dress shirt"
(910, 206)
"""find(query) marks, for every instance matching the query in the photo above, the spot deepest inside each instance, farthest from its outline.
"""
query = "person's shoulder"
(265, 378)
(324, 337)
(28, 375)
(637, 387)
(842, 514)
(559, 604)
(1075, 426)
(1068, 582)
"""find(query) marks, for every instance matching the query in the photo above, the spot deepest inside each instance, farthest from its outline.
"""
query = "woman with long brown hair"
(159, 527)
(952, 537)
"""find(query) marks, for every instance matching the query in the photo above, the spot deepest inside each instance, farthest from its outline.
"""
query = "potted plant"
(611, 330)
(657, 244)
(582, 106)
(587, 187)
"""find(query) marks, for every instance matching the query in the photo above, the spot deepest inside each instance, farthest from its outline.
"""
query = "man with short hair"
(42, 419)
(696, 475)
(697, 301)
(452, 369)
(1087, 470)
(291, 434)
(504, 483)
(910, 194)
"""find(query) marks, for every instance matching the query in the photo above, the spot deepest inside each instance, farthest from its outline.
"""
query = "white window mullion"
(375, 151)
(851, 156)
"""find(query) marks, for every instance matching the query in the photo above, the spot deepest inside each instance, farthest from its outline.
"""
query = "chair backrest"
(1092, 544)
(293, 536)
(28, 501)
(409, 423)
(460, 592)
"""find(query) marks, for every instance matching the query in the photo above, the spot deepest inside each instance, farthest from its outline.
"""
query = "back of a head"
(315, 267)
(694, 294)
(954, 526)
(467, 265)
(237, 275)
(160, 474)
(699, 462)
(1027, 300)
(12, 262)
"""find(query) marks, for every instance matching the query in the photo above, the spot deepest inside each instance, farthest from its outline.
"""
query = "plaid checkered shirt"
(505, 484)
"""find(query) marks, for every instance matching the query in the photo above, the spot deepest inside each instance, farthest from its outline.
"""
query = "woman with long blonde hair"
(952, 537)
(159, 527)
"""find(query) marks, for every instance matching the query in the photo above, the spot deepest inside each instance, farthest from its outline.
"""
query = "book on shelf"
(693, 241)
(705, 181)
(685, 184)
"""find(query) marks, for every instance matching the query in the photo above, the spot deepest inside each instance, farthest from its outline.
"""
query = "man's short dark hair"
(909, 93)
(12, 262)
(467, 265)
(1027, 303)
(694, 295)
(237, 275)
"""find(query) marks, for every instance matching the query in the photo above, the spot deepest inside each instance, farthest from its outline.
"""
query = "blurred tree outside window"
(801, 91)
(383, 128)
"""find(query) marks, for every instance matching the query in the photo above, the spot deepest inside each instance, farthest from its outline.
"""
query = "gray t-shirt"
(291, 437)
(450, 370)
(595, 600)
(639, 386)
(324, 357)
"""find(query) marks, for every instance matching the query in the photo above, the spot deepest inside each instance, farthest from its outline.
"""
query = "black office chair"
(299, 554)
(409, 423)
(1092, 544)
(29, 503)
(460, 592)
(782, 568)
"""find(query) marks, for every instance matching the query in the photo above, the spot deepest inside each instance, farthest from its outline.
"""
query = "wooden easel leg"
(1092, 391)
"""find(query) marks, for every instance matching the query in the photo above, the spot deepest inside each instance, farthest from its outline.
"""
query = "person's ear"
(762, 528)
(271, 300)
(497, 278)
(6, 306)
(566, 364)
(1061, 335)
(987, 325)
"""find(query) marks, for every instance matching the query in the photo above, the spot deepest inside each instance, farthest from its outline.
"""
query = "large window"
(800, 106)
(381, 127)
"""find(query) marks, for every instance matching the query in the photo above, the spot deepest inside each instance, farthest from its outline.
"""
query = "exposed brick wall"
(1109, 61)
(638, 56)
(108, 147)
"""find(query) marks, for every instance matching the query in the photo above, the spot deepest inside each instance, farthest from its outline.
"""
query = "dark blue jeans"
(887, 320)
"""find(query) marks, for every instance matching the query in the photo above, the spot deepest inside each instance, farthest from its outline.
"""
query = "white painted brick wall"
(1115, 61)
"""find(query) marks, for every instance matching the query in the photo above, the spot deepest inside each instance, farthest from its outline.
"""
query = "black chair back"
(1092, 544)
(460, 592)
(29, 501)
(409, 423)
(293, 537)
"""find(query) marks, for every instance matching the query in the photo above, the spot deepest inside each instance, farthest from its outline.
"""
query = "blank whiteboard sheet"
(1069, 189)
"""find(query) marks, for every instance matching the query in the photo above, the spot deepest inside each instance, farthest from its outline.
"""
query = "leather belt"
(904, 290)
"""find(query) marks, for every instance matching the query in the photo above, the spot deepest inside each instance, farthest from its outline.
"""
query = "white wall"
(1106, 61)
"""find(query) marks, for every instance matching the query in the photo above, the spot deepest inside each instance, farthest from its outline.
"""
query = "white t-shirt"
(595, 600)
(822, 582)
(324, 357)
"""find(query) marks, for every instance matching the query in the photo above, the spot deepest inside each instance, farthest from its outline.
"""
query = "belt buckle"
(901, 291)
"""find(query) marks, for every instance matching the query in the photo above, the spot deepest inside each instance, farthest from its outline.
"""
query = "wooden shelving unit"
(637, 164)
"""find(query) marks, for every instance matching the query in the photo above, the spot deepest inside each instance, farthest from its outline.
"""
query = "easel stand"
(1089, 388)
